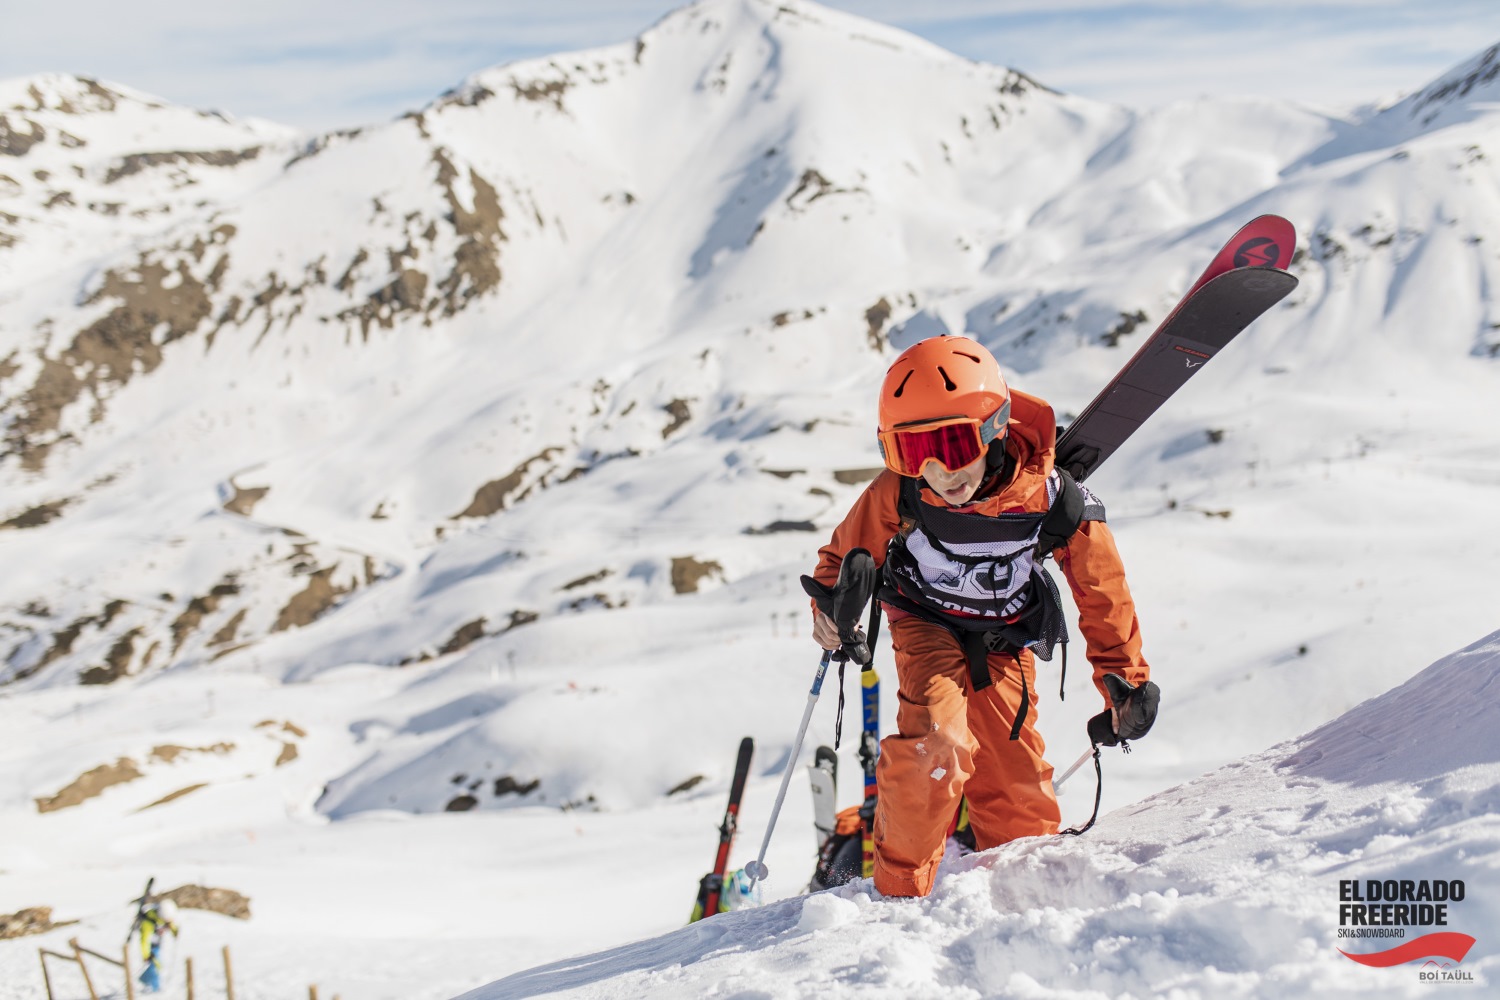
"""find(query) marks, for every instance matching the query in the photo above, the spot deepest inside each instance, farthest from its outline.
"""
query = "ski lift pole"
(757, 869)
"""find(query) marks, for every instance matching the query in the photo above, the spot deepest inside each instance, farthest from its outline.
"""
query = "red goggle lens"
(952, 446)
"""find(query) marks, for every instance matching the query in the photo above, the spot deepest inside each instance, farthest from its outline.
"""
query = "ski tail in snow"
(1245, 279)
(822, 776)
(711, 888)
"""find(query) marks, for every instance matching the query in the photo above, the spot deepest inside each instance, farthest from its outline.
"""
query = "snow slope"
(468, 462)
(1227, 886)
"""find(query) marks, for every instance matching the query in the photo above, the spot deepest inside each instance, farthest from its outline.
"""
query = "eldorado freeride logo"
(1376, 908)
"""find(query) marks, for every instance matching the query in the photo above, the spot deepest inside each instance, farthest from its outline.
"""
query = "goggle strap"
(996, 424)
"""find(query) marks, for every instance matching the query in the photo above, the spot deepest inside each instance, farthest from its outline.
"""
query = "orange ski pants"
(950, 742)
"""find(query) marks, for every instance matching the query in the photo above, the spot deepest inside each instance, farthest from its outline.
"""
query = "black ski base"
(1207, 320)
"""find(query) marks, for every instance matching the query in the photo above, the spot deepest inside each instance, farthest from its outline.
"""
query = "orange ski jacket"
(1090, 561)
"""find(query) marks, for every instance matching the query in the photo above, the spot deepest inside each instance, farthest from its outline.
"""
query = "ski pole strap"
(1098, 793)
(873, 630)
(1063, 680)
(838, 720)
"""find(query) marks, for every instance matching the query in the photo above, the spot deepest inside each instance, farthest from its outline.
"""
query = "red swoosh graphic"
(1448, 944)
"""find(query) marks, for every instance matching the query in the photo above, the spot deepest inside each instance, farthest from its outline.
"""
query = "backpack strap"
(1073, 505)
(907, 499)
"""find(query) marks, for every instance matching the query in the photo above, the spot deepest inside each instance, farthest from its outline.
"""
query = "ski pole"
(757, 869)
(1058, 782)
(844, 604)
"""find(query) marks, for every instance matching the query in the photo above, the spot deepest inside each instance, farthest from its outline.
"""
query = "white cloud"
(1329, 53)
(329, 63)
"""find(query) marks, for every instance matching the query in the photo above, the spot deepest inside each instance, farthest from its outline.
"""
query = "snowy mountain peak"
(1464, 92)
(682, 210)
(69, 95)
(80, 110)
(447, 482)
(730, 49)
(88, 167)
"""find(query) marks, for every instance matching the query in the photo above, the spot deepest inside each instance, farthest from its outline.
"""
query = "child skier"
(960, 521)
(158, 918)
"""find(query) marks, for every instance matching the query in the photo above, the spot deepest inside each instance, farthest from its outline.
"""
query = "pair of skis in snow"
(1243, 281)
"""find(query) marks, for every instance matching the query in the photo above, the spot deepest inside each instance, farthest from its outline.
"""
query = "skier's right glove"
(846, 600)
(1135, 706)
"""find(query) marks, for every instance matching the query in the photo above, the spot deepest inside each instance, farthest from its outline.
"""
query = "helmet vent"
(947, 382)
(971, 357)
(909, 374)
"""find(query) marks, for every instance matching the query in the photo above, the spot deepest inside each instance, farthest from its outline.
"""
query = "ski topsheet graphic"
(1244, 280)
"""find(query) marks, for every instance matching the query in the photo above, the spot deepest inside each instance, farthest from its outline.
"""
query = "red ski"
(1245, 279)
(710, 888)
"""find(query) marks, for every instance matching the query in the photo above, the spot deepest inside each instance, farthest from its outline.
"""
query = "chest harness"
(982, 576)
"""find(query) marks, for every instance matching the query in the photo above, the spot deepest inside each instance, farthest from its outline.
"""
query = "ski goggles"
(952, 442)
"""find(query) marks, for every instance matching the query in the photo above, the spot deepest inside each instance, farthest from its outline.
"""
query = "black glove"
(1137, 710)
(846, 600)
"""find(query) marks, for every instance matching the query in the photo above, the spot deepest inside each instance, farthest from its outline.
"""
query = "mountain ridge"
(346, 389)
(432, 495)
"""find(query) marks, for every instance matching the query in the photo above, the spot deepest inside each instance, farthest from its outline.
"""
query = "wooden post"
(228, 976)
(123, 962)
(78, 957)
(46, 979)
(189, 979)
(312, 993)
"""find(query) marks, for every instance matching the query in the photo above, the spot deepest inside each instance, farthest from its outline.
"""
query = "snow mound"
(1227, 886)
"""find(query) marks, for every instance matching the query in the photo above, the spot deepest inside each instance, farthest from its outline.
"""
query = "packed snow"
(1226, 886)
(407, 521)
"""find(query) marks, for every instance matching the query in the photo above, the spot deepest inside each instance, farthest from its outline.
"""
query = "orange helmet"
(934, 385)
(942, 377)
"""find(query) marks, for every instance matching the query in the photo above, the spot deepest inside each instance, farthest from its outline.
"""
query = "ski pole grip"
(1102, 730)
(845, 603)
(852, 592)
(1137, 709)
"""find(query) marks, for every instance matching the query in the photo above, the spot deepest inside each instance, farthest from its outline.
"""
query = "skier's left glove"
(1135, 707)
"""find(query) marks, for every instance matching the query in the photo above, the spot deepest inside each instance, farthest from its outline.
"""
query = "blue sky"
(329, 63)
